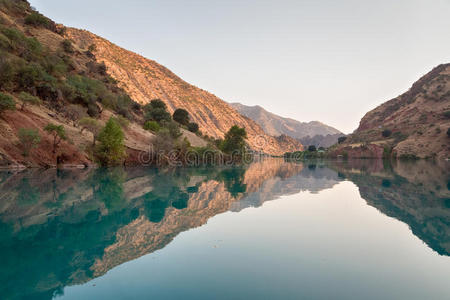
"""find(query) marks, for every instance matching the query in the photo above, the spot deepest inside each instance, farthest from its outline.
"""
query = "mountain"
(276, 125)
(145, 79)
(39, 61)
(414, 124)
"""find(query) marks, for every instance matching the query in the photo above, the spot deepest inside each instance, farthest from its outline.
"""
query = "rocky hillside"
(145, 80)
(415, 124)
(276, 125)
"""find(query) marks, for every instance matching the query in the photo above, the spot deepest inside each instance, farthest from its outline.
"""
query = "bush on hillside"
(181, 116)
(342, 139)
(67, 46)
(152, 126)
(193, 127)
(386, 133)
(28, 139)
(28, 99)
(6, 103)
(37, 20)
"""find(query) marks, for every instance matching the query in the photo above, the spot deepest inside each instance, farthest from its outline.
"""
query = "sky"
(324, 60)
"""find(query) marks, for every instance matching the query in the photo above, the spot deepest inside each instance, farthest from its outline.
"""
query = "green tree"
(29, 139)
(6, 103)
(156, 110)
(111, 148)
(27, 99)
(58, 132)
(234, 140)
(181, 116)
(91, 125)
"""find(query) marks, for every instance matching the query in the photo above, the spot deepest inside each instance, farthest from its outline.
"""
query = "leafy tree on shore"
(234, 140)
(312, 148)
(58, 132)
(111, 148)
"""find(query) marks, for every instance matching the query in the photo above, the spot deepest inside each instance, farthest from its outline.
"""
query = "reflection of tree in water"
(28, 194)
(107, 185)
(233, 179)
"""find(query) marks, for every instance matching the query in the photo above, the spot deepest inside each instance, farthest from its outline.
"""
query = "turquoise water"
(273, 230)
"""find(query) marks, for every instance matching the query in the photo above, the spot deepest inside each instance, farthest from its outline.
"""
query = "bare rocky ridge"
(417, 122)
(144, 80)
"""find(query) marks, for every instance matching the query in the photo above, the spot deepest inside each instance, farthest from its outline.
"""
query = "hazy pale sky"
(323, 60)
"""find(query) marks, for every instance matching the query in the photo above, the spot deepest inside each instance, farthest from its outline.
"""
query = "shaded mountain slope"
(414, 124)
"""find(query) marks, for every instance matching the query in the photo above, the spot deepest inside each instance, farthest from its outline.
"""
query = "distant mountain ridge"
(313, 132)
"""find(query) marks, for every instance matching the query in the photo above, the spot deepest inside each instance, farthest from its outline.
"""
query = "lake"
(363, 229)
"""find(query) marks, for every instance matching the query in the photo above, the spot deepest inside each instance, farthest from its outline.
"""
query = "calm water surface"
(272, 230)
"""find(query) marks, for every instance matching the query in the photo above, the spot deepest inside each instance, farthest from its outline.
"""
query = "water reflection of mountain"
(416, 193)
(60, 228)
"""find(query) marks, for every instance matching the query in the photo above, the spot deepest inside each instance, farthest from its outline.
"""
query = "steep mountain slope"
(414, 124)
(145, 80)
(276, 125)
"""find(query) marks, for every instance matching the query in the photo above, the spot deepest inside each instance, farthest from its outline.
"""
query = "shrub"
(123, 122)
(74, 113)
(181, 116)
(312, 148)
(67, 46)
(37, 20)
(234, 140)
(58, 132)
(152, 126)
(446, 114)
(28, 99)
(174, 129)
(386, 133)
(111, 148)
(448, 132)
(193, 127)
(6, 103)
(29, 139)
(342, 139)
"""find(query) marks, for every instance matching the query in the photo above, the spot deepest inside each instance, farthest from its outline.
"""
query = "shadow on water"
(60, 228)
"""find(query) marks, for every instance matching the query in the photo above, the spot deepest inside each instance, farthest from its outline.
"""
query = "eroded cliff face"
(418, 120)
(144, 79)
